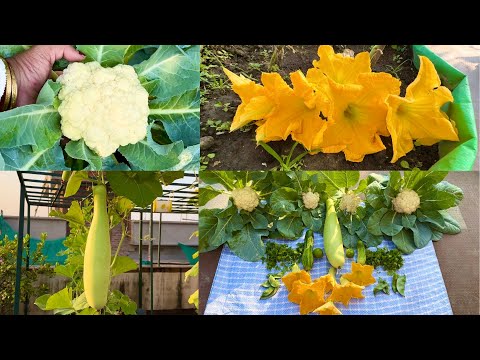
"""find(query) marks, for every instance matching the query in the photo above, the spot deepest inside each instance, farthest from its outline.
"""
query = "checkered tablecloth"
(236, 287)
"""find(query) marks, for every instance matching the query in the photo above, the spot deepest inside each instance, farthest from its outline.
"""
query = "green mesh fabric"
(50, 249)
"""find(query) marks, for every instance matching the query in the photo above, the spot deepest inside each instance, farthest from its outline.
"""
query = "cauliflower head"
(245, 199)
(310, 199)
(406, 202)
(106, 107)
(350, 202)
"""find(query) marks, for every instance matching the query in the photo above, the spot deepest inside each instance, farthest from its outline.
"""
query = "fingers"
(57, 52)
(71, 54)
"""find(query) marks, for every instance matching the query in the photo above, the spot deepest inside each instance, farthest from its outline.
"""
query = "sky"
(10, 195)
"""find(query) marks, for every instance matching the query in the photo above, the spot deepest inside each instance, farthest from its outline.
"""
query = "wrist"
(15, 81)
(3, 83)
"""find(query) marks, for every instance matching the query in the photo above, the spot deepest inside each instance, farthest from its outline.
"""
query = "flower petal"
(339, 68)
(310, 301)
(418, 116)
(293, 276)
(312, 125)
(328, 281)
(254, 106)
(359, 114)
(427, 81)
(328, 308)
(344, 293)
(360, 274)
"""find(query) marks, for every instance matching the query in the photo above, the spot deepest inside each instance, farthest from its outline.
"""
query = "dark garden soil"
(238, 151)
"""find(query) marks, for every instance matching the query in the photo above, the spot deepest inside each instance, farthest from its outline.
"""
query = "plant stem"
(124, 233)
(287, 163)
(277, 56)
(299, 157)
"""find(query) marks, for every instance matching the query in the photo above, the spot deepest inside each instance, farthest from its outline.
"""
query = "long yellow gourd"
(96, 272)
(332, 237)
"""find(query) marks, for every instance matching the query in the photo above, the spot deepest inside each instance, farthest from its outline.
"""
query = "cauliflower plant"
(310, 199)
(245, 199)
(106, 107)
(406, 202)
(350, 202)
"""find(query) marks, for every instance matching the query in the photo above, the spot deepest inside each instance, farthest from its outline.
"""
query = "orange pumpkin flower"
(344, 293)
(328, 308)
(418, 116)
(360, 275)
(359, 114)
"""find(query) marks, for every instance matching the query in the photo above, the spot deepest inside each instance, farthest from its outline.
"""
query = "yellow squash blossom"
(296, 111)
(418, 116)
(359, 115)
(293, 276)
(360, 275)
(308, 296)
(328, 308)
(337, 67)
(312, 125)
(311, 300)
(344, 293)
(328, 280)
(279, 110)
(255, 105)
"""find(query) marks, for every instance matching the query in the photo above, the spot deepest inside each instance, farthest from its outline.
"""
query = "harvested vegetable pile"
(342, 106)
(409, 210)
(128, 107)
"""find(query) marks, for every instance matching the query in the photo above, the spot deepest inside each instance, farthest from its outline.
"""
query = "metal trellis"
(49, 192)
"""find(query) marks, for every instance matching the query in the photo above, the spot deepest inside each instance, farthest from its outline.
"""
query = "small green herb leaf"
(269, 293)
(382, 286)
(394, 282)
(401, 281)
(273, 282)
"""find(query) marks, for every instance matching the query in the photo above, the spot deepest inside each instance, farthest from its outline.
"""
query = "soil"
(238, 151)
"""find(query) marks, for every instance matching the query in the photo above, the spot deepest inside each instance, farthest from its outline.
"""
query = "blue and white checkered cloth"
(236, 287)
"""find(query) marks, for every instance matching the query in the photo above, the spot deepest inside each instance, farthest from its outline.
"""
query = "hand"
(32, 68)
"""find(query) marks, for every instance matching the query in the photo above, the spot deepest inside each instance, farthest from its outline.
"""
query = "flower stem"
(291, 153)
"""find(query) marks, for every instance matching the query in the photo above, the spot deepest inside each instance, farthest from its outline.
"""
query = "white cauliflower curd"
(245, 198)
(106, 107)
(310, 199)
(350, 202)
(406, 202)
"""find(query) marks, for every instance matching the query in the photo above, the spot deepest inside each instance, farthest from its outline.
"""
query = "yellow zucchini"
(332, 237)
(96, 272)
